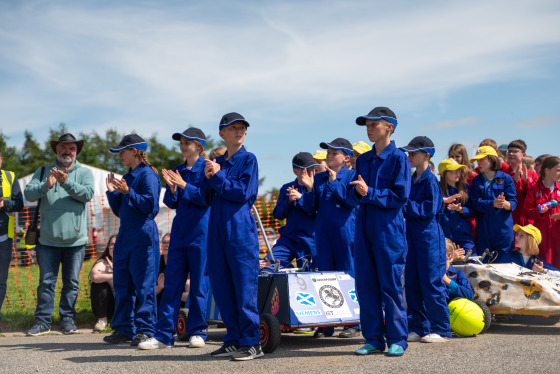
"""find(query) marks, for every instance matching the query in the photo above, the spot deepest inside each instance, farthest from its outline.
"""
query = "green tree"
(9, 155)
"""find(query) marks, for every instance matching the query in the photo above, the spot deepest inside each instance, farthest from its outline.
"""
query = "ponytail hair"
(201, 150)
(143, 156)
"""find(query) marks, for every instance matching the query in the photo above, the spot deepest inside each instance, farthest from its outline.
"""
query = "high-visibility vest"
(7, 180)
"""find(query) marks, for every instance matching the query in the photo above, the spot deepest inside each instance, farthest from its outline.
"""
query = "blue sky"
(299, 71)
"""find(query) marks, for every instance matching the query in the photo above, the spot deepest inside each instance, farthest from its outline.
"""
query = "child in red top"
(523, 179)
(548, 220)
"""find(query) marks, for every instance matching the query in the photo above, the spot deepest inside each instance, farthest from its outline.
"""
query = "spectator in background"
(64, 191)
(458, 152)
(11, 201)
(547, 219)
(504, 167)
(102, 294)
(217, 152)
(320, 157)
(493, 198)
(359, 148)
(522, 177)
(538, 163)
(529, 162)
(502, 152)
(164, 251)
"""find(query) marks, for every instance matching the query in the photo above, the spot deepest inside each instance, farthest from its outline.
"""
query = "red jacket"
(550, 228)
(521, 188)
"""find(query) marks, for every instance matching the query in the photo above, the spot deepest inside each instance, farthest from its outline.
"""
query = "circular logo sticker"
(331, 296)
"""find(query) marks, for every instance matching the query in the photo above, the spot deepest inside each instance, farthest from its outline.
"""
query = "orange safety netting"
(102, 224)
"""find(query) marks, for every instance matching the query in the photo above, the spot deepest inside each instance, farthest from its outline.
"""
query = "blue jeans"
(5, 259)
(49, 260)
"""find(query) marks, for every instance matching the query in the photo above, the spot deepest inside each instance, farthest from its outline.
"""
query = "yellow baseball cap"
(484, 151)
(531, 230)
(361, 147)
(320, 155)
(449, 164)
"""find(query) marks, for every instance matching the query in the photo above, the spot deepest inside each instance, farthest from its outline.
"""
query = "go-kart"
(513, 293)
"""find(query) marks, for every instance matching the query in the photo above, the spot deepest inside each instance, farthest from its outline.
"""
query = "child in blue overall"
(381, 186)
(327, 194)
(455, 280)
(428, 314)
(230, 185)
(297, 236)
(187, 246)
(135, 200)
(493, 198)
(457, 211)
(525, 254)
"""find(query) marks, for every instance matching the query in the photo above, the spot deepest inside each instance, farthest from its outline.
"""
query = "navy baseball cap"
(304, 160)
(376, 113)
(131, 141)
(232, 117)
(420, 143)
(191, 133)
(339, 143)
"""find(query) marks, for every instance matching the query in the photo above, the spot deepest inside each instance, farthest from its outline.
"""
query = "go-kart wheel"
(487, 315)
(270, 333)
(182, 325)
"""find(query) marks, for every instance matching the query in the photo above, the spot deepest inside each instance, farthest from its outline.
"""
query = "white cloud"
(469, 121)
(546, 120)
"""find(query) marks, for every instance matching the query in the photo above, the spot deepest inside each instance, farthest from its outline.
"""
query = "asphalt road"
(503, 349)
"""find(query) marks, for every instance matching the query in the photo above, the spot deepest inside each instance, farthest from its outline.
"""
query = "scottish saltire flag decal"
(352, 294)
(305, 299)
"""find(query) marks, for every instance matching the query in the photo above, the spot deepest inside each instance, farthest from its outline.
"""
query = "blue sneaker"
(38, 329)
(395, 350)
(367, 350)
(68, 326)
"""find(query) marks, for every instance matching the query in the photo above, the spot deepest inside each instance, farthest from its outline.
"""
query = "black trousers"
(102, 300)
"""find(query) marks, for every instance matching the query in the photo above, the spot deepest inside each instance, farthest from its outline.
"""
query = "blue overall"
(456, 226)
(233, 245)
(517, 258)
(297, 236)
(426, 261)
(335, 223)
(459, 286)
(136, 254)
(380, 245)
(187, 255)
(494, 227)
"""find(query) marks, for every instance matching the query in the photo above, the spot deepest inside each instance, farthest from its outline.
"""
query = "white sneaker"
(100, 325)
(196, 341)
(434, 338)
(413, 337)
(152, 343)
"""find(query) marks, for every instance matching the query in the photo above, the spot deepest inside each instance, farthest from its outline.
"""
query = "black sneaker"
(245, 353)
(139, 338)
(349, 332)
(322, 333)
(225, 351)
(116, 338)
(68, 326)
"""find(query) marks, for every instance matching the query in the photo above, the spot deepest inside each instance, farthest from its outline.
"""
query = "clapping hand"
(361, 186)
(211, 168)
(173, 180)
(293, 194)
(307, 179)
